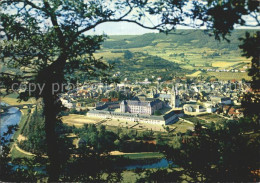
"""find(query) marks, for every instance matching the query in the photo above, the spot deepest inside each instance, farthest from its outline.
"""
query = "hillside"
(191, 38)
(138, 66)
(192, 50)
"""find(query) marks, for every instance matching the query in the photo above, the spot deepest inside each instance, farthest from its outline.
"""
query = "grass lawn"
(181, 127)
(11, 99)
(212, 118)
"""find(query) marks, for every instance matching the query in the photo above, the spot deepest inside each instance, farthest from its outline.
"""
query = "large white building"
(166, 119)
(141, 107)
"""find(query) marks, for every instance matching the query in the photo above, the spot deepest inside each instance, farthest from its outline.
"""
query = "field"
(205, 119)
(195, 74)
(181, 127)
(77, 119)
(11, 99)
(107, 55)
(223, 64)
(211, 118)
(192, 59)
(193, 51)
(229, 75)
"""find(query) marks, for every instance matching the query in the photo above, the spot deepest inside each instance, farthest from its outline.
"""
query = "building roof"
(164, 96)
(140, 103)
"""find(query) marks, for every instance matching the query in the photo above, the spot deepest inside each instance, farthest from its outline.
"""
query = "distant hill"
(192, 50)
(195, 38)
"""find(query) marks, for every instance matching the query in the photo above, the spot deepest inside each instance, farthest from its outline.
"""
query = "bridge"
(4, 108)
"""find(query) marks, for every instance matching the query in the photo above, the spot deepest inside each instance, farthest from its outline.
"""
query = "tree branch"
(256, 18)
(54, 22)
(117, 20)
(26, 2)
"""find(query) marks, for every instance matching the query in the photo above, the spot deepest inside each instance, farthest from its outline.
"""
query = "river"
(11, 117)
(161, 163)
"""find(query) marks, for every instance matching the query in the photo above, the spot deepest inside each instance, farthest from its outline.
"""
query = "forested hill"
(139, 65)
(194, 38)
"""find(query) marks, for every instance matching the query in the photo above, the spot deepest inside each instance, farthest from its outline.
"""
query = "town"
(154, 104)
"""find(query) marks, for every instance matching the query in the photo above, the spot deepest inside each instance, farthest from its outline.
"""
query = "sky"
(119, 28)
(126, 28)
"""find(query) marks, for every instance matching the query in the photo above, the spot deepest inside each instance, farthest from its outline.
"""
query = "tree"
(128, 54)
(157, 113)
(44, 42)
(251, 101)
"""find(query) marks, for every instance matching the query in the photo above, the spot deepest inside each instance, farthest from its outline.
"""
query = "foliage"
(219, 153)
(21, 169)
(35, 133)
(157, 113)
(142, 65)
(251, 101)
(99, 140)
(128, 54)
(160, 175)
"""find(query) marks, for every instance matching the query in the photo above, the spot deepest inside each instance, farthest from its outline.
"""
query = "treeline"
(101, 140)
(34, 132)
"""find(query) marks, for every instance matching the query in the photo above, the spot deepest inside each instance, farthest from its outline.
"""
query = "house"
(221, 100)
(193, 108)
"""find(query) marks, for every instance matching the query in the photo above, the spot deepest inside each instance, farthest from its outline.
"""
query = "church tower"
(175, 100)
(123, 106)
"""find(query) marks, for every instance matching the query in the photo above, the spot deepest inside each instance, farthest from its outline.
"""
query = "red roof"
(114, 99)
(104, 100)
(233, 80)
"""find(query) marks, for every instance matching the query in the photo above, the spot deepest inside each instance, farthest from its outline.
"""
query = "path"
(26, 152)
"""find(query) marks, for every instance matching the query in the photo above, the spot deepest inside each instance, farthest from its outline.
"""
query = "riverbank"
(17, 117)
(11, 99)
(14, 152)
